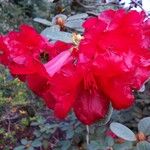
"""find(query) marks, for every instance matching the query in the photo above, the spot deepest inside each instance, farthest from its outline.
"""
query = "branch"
(133, 1)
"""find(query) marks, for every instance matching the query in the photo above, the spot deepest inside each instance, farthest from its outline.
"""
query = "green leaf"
(34, 124)
(43, 21)
(41, 120)
(69, 134)
(36, 143)
(95, 145)
(144, 145)
(65, 145)
(123, 146)
(122, 131)
(144, 125)
(20, 147)
(37, 133)
(51, 126)
(109, 141)
(24, 141)
(56, 35)
(74, 23)
(30, 148)
(78, 16)
(48, 30)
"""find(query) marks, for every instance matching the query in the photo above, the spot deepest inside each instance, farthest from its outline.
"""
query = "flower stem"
(87, 135)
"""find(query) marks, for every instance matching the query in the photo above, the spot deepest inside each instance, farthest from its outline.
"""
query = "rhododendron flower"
(118, 44)
(21, 50)
(77, 87)
(106, 66)
(27, 55)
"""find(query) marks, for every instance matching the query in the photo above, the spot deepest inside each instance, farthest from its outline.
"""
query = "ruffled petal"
(119, 93)
(64, 87)
(3, 52)
(91, 107)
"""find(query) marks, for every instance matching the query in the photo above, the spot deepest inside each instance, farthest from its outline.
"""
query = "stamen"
(44, 57)
(76, 38)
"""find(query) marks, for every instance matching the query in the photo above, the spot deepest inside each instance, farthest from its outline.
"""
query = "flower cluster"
(106, 66)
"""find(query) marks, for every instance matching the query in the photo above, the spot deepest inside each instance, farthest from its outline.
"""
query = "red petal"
(3, 52)
(119, 92)
(90, 22)
(91, 107)
(64, 86)
(56, 63)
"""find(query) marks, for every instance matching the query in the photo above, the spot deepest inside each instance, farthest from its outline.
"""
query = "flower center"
(44, 57)
(76, 38)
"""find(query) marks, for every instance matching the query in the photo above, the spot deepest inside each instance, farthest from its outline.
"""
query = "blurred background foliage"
(25, 122)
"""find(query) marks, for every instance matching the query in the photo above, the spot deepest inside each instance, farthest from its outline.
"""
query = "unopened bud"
(60, 21)
(141, 136)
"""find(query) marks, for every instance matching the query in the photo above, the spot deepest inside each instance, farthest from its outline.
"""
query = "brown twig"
(133, 1)
(9, 125)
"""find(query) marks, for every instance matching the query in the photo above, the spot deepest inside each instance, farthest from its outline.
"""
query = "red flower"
(117, 42)
(111, 61)
(32, 59)
(22, 49)
(61, 83)
(47, 70)
(3, 52)
(77, 87)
